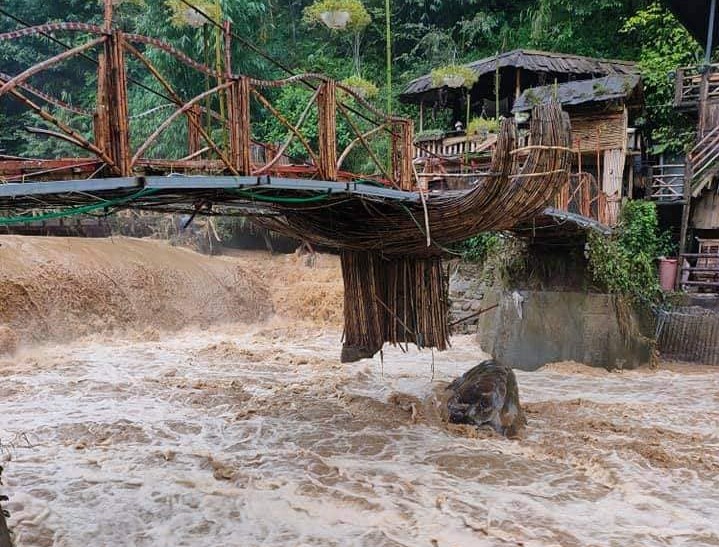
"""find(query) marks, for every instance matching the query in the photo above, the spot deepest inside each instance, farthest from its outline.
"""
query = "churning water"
(258, 436)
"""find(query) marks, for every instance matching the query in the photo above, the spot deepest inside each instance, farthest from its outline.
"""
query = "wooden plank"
(604, 131)
(612, 183)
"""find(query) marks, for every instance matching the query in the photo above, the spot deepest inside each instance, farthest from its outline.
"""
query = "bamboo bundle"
(396, 300)
(510, 195)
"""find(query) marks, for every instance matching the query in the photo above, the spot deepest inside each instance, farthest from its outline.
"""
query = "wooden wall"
(705, 212)
(602, 140)
(605, 131)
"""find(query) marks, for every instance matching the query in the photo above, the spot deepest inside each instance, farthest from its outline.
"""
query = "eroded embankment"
(62, 288)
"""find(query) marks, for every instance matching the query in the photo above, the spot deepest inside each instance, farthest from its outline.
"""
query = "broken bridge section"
(392, 232)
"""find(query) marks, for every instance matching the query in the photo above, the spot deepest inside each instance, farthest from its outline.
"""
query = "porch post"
(710, 32)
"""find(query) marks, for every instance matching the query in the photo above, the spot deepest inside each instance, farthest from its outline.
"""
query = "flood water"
(257, 435)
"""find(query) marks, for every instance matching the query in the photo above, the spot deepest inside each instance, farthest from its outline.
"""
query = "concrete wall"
(532, 328)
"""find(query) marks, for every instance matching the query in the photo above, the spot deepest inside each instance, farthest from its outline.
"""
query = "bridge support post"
(194, 120)
(327, 114)
(114, 101)
(239, 121)
(100, 123)
(402, 154)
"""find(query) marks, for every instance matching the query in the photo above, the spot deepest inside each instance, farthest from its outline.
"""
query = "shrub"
(482, 125)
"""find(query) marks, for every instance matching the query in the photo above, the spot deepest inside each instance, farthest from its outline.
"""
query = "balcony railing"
(696, 84)
(701, 270)
(453, 147)
(667, 183)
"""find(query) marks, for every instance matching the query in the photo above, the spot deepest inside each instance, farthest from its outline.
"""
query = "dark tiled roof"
(537, 61)
(580, 92)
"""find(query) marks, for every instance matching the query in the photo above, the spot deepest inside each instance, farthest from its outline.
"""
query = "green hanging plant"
(186, 16)
(361, 87)
(482, 126)
(454, 76)
(337, 14)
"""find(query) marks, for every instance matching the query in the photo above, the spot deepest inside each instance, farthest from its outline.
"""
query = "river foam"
(256, 435)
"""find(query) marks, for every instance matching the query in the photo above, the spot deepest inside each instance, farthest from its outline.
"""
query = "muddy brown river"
(256, 435)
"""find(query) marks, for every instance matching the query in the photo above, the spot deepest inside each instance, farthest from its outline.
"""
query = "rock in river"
(487, 394)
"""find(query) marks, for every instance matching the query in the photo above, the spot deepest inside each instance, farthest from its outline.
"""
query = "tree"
(665, 46)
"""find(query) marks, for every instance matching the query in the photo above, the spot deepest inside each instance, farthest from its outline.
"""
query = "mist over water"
(256, 435)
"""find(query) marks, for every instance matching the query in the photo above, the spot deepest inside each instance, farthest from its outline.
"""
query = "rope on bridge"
(74, 211)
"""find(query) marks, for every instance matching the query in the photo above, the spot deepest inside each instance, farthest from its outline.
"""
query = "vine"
(624, 263)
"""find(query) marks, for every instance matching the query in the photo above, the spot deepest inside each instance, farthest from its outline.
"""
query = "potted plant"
(482, 126)
(337, 14)
(454, 76)
(361, 87)
(183, 15)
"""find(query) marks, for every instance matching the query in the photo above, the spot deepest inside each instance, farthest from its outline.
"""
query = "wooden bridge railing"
(454, 146)
(248, 101)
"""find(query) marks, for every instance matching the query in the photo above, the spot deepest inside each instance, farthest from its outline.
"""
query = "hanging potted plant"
(183, 15)
(337, 14)
(361, 87)
(453, 76)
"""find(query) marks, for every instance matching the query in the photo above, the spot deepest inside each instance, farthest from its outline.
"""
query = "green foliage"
(665, 46)
(624, 263)
(443, 75)
(291, 101)
(581, 27)
(429, 135)
(478, 248)
(480, 126)
(364, 88)
(359, 18)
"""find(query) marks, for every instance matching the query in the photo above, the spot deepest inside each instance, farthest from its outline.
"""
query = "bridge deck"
(118, 187)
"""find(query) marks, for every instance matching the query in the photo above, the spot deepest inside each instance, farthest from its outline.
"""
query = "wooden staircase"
(703, 161)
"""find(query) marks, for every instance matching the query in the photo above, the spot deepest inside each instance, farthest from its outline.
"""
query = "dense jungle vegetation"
(425, 34)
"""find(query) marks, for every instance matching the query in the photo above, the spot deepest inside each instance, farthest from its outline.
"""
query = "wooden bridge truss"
(243, 100)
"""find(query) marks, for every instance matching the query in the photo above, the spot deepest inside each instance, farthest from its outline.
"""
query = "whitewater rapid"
(257, 435)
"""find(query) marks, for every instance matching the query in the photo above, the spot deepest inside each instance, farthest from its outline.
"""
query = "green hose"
(74, 211)
(275, 199)
(84, 209)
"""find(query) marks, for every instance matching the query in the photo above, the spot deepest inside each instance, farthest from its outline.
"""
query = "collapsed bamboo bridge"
(392, 232)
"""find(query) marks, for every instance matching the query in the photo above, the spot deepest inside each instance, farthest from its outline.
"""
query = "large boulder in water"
(487, 394)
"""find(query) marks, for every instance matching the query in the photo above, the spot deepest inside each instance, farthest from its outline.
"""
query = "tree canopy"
(426, 34)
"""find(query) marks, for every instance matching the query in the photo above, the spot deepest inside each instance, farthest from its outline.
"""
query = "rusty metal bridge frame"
(110, 153)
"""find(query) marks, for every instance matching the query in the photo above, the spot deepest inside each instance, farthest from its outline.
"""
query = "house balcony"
(667, 183)
(696, 84)
(452, 161)
(452, 146)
